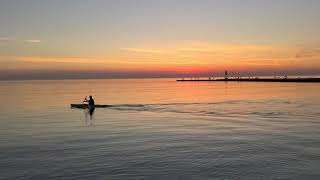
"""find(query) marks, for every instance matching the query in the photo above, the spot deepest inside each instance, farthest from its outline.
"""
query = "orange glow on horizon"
(190, 58)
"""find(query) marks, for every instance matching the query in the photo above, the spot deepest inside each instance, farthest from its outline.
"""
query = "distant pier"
(255, 79)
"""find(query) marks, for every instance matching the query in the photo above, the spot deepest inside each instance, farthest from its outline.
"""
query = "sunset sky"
(157, 38)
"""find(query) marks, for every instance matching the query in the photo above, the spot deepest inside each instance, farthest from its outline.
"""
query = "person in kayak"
(90, 105)
(90, 102)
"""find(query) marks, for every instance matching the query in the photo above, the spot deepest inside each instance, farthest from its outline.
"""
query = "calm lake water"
(159, 129)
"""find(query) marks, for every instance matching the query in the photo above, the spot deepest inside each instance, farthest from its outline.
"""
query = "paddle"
(84, 109)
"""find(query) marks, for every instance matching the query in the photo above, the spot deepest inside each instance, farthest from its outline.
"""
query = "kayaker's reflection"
(89, 111)
(90, 119)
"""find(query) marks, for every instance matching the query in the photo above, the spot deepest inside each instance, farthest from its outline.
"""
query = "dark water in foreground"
(159, 129)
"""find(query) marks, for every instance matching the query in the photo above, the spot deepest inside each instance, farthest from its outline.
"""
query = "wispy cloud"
(260, 62)
(4, 38)
(202, 48)
(142, 50)
(226, 48)
(10, 39)
(60, 60)
(33, 41)
(309, 53)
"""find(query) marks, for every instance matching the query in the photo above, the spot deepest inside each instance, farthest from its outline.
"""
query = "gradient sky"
(145, 38)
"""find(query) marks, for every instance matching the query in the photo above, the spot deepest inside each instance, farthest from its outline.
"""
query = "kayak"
(84, 106)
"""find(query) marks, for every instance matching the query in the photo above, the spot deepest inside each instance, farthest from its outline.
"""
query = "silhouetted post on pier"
(226, 75)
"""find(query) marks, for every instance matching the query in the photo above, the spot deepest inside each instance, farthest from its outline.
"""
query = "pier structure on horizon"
(238, 78)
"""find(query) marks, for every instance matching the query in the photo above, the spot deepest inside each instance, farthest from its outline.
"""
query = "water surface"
(160, 129)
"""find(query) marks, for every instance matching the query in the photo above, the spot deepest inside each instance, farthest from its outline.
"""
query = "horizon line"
(149, 77)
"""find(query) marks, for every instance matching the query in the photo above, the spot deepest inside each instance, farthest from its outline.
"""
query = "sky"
(43, 39)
